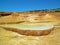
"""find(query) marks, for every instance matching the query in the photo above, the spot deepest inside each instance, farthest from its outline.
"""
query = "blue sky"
(26, 5)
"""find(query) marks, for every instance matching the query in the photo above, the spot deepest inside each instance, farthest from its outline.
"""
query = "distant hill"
(56, 10)
(42, 10)
(46, 10)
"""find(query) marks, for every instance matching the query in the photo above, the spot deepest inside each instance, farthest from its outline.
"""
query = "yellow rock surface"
(12, 38)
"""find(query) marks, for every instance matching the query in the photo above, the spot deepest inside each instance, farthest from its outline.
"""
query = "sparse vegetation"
(46, 10)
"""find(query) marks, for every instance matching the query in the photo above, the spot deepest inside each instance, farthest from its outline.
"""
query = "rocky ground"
(12, 38)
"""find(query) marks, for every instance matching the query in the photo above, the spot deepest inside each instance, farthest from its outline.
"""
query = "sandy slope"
(32, 18)
(12, 38)
(10, 19)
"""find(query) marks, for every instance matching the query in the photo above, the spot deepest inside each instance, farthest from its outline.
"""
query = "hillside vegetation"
(46, 10)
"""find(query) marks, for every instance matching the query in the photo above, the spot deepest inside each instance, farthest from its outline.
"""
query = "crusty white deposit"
(29, 27)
